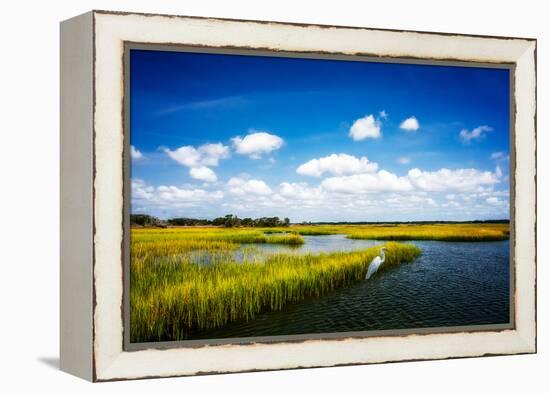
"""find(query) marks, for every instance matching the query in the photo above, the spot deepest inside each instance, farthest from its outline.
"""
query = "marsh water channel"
(451, 284)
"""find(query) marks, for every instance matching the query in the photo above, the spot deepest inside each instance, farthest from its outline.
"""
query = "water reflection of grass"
(172, 297)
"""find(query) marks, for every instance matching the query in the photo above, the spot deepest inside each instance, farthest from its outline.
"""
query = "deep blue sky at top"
(180, 99)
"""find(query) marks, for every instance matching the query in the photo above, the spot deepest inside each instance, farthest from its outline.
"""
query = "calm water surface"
(312, 244)
(451, 284)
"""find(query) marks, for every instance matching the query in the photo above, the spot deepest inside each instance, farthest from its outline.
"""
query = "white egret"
(375, 264)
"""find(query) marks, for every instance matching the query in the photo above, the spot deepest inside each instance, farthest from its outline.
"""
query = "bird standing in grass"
(375, 264)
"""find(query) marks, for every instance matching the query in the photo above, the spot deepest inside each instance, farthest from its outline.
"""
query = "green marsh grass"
(171, 297)
(443, 232)
(314, 232)
(290, 239)
(186, 279)
(199, 236)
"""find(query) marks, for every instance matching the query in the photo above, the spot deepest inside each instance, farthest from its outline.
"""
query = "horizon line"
(337, 222)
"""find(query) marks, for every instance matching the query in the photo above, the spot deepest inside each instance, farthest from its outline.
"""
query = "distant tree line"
(145, 220)
(231, 220)
(496, 221)
(228, 221)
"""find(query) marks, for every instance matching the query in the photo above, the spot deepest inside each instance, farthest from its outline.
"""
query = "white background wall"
(29, 182)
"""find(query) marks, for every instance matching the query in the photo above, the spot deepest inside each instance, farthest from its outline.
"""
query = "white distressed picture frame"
(92, 194)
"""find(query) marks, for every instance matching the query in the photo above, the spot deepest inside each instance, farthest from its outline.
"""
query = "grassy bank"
(293, 234)
(186, 279)
(444, 232)
(195, 238)
(171, 297)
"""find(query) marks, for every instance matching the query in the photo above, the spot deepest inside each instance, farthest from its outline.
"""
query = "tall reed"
(172, 297)
(443, 232)
(199, 236)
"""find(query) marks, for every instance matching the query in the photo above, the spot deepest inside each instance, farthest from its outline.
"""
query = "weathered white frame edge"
(109, 361)
(76, 196)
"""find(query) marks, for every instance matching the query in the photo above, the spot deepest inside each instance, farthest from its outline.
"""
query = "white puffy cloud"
(383, 114)
(383, 195)
(169, 197)
(239, 186)
(447, 179)
(203, 173)
(199, 159)
(141, 191)
(354, 189)
(365, 127)
(410, 124)
(256, 144)
(367, 182)
(177, 194)
(135, 153)
(404, 160)
(300, 191)
(337, 164)
(185, 155)
(211, 153)
(302, 198)
(462, 180)
(206, 155)
(477, 133)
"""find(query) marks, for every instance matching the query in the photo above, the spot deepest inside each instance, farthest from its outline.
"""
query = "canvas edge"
(76, 176)
(525, 334)
(525, 252)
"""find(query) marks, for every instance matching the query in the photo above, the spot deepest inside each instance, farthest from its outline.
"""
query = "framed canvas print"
(244, 195)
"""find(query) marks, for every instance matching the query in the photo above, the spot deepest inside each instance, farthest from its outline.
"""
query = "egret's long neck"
(383, 255)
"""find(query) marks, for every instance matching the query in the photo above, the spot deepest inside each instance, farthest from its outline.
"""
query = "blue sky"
(317, 140)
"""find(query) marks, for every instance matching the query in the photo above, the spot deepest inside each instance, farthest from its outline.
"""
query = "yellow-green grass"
(189, 236)
(186, 279)
(172, 297)
(205, 244)
(291, 239)
(444, 232)
(316, 232)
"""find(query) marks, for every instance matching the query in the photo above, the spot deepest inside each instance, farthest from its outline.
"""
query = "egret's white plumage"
(375, 264)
